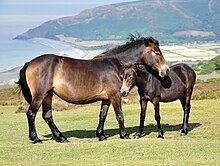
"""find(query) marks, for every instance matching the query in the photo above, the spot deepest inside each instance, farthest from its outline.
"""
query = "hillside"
(208, 67)
(168, 20)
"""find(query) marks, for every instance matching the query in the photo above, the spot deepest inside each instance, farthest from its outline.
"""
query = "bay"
(14, 53)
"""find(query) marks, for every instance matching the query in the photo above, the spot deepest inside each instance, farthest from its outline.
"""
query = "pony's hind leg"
(185, 102)
(102, 117)
(158, 118)
(47, 116)
(31, 115)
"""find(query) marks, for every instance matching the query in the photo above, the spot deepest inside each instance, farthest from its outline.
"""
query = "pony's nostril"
(167, 70)
(164, 71)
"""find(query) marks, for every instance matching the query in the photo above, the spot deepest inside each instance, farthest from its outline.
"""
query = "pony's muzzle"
(164, 71)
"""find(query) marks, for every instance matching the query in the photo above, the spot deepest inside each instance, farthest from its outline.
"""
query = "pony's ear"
(149, 40)
(146, 42)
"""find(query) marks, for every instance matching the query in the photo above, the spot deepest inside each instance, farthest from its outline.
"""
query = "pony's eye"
(131, 76)
(157, 53)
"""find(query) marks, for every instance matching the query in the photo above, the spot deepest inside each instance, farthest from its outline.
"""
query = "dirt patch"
(208, 76)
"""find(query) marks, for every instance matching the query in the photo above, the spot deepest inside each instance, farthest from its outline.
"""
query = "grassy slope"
(200, 147)
(208, 67)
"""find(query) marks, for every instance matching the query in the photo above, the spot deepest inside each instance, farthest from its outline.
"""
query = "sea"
(14, 53)
(18, 18)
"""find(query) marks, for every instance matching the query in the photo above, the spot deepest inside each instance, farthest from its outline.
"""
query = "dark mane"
(134, 41)
(122, 48)
(132, 37)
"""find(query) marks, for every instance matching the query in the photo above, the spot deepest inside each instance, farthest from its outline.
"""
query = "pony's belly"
(171, 96)
(168, 99)
(81, 99)
(80, 95)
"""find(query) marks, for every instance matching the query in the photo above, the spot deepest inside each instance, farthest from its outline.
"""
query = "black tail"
(23, 84)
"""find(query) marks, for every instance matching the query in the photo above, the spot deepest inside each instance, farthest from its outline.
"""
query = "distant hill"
(167, 20)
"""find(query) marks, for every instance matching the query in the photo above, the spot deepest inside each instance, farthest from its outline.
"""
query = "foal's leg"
(47, 116)
(31, 115)
(143, 104)
(157, 118)
(186, 108)
(102, 117)
(116, 102)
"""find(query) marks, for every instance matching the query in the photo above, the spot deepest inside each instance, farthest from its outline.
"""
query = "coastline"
(187, 53)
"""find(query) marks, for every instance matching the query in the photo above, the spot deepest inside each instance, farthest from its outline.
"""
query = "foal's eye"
(131, 76)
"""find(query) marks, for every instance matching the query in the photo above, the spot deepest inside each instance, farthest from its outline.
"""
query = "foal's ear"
(134, 70)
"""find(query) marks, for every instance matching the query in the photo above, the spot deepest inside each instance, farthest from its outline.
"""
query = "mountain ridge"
(165, 19)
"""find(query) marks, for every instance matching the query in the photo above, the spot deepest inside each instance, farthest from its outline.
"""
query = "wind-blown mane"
(133, 38)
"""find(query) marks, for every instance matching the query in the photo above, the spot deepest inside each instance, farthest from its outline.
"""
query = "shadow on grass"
(112, 132)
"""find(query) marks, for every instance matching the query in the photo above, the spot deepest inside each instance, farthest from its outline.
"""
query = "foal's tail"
(22, 82)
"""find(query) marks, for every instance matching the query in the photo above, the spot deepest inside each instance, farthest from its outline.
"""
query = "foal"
(177, 85)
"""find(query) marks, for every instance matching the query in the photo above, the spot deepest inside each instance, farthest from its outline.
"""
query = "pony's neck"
(119, 66)
(130, 56)
(128, 53)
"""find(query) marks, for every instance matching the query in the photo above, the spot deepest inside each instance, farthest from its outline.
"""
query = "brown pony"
(83, 81)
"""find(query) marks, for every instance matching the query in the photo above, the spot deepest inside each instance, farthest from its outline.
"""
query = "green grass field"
(200, 147)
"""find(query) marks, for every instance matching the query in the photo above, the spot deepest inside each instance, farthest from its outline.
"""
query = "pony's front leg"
(157, 118)
(116, 102)
(47, 116)
(31, 115)
(143, 104)
(102, 117)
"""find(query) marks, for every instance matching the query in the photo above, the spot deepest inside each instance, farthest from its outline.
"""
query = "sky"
(62, 2)
(18, 16)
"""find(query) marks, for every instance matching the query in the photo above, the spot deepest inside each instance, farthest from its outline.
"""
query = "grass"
(208, 67)
(200, 147)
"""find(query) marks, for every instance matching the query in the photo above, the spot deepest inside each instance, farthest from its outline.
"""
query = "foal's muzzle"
(124, 92)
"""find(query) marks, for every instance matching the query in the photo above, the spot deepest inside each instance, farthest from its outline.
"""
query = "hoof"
(183, 134)
(62, 140)
(160, 137)
(65, 141)
(125, 137)
(137, 136)
(38, 141)
(103, 138)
